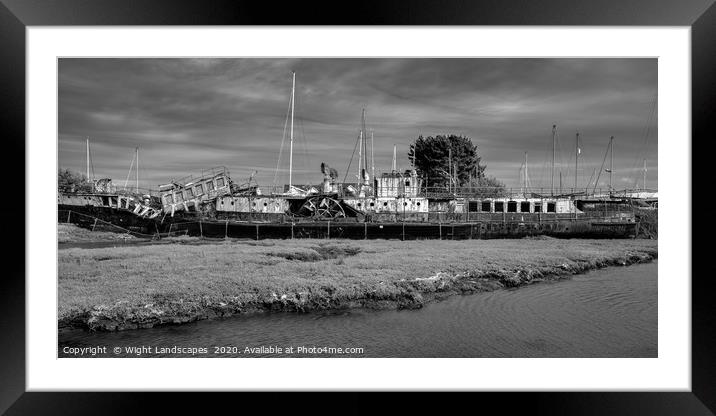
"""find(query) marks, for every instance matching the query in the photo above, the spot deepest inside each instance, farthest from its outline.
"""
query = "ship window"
(359, 204)
(551, 207)
(407, 183)
(209, 185)
(418, 203)
(199, 189)
(524, 207)
(179, 197)
(385, 204)
(189, 193)
(485, 206)
(168, 199)
(405, 203)
(219, 182)
(372, 204)
(471, 206)
(232, 202)
(538, 207)
(265, 204)
(512, 206)
(499, 206)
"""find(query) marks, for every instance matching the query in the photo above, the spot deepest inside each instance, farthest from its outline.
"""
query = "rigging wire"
(89, 153)
(635, 167)
(283, 140)
(126, 182)
(306, 161)
(351, 160)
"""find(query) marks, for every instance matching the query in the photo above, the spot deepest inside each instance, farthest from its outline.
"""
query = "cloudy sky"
(190, 114)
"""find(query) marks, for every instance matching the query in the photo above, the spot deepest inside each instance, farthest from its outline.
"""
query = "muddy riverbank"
(119, 288)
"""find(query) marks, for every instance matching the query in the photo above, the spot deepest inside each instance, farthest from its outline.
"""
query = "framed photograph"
(453, 199)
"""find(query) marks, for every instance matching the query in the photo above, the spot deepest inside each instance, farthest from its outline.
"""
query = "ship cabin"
(187, 193)
(396, 184)
(521, 205)
(395, 193)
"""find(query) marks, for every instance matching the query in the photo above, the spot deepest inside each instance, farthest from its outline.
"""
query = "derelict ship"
(393, 205)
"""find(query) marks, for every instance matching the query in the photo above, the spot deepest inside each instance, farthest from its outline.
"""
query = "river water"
(604, 313)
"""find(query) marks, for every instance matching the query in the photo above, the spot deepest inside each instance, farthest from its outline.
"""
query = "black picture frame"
(16, 15)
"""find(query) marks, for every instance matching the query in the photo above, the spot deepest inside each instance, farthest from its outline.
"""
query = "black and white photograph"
(357, 207)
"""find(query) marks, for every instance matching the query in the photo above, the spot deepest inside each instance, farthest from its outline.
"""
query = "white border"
(671, 371)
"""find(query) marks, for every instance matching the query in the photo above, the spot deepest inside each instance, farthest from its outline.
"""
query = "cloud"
(189, 114)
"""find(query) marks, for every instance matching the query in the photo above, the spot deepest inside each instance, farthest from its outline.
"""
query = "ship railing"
(111, 190)
(475, 192)
(526, 193)
(204, 173)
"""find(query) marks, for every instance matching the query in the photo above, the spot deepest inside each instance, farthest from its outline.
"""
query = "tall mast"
(394, 152)
(560, 182)
(450, 169)
(611, 162)
(360, 156)
(526, 175)
(554, 139)
(137, 186)
(365, 143)
(644, 179)
(290, 156)
(576, 162)
(88, 162)
(372, 160)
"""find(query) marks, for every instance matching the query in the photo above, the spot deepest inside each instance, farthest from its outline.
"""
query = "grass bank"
(142, 286)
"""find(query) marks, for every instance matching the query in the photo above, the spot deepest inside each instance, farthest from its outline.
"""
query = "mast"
(576, 162)
(88, 162)
(290, 156)
(527, 178)
(644, 179)
(450, 169)
(394, 152)
(372, 159)
(560, 182)
(365, 143)
(611, 162)
(554, 138)
(360, 156)
(137, 186)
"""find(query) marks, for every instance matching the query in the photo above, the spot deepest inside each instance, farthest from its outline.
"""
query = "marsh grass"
(178, 279)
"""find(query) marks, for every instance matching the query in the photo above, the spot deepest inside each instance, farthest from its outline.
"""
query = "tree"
(70, 181)
(490, 187)
(433, 160)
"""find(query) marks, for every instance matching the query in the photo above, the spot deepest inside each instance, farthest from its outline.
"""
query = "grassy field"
(142, 286)
(70, 233)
